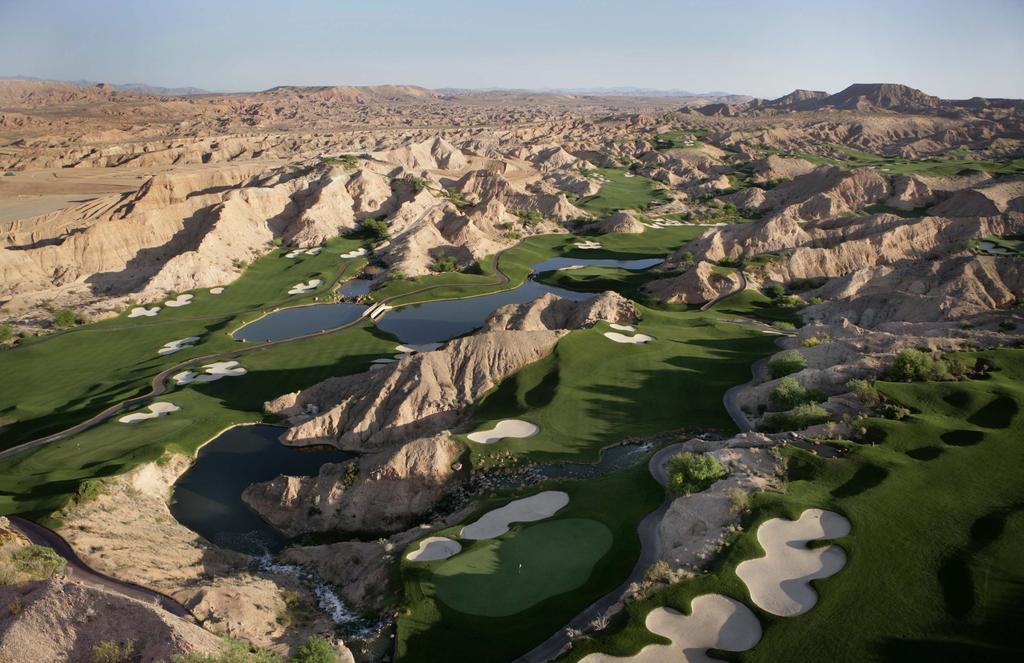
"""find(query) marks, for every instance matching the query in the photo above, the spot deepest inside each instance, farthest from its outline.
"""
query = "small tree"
(786, 363)
(376, 228)
(316, 649)
(65, 318)
(865, 391)
(914, 365)
(787, 394)
(692, 473)
(444, 264)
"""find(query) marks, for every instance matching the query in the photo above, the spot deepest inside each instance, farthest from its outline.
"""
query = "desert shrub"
(686, 260)
(38, 561)
(788, 393)
(692, 473)
(912, 365)
(14, 607)
(865, 391)
(444, 264)
(739, 499)
(782, 325)
(894, 411)
(296, 611)
(800, 417)
(812, 341)
(786, 363)
(88, 491)
(529, 217)
(109, 651)
(232, 651)
(349, 161)
(376, 229)
(351, 474)
(6, 333)
(455, 197)
(1007, 325)
(64, 318)
(775, 290)
(316, 649)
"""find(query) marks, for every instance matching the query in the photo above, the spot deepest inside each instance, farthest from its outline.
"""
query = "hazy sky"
(952, 48)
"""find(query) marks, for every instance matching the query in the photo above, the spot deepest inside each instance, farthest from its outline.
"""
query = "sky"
(950, 48)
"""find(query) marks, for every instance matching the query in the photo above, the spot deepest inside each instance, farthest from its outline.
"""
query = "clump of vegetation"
(376, 229)
(913, 365)
(296, 610)
(316, 649)
(6, 334)
(739, 499)
(775, 291)
(65, 318)
(417, 183)
(865, 391)
(34, 562)
(350, 474)
(812, 341)
(444, 264)
(786, 363)
(232, 651)
(349, 161)
(692, 473)
(529, 217)
(109, 651)
(686, 260)
(800, 417)
(789, 393)
(455, 197)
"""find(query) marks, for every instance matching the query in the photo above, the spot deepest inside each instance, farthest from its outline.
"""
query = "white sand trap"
(354, 253)
(714, 622)
(615, 325)
(216, 291)
(434, 548)
(588, 245)
(180, 344)
(315, 251)
(627, 174)
(384, 360)
(214, 371)
(179, 301)
(635, 338)
(308, 286)
(536, 507)
(421, 347)
(780, 582)
(293, 254)
(143, 312)
(152, 412)
(505, 428)
(568, 268)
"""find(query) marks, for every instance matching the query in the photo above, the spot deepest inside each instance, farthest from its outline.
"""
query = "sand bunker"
(506, 428)
(354, 253)
(629, 328)
(152, 412)
(216, 291)
(413, 348)
(434, 548)
(303, 288)
(588, 245)
(665, 223)
(622, 338)
(142, 311)
(294, 254)
(536, 507)
(180, 344)
(179, 301)
(315, 251)
(214, 371)
(714, 622)
(780, 582)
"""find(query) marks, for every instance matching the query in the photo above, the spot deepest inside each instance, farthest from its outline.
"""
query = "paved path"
(650, 551)
(79, 570)
(741, 288)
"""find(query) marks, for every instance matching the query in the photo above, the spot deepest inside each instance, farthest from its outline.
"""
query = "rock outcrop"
(553, 312)
(697, 285)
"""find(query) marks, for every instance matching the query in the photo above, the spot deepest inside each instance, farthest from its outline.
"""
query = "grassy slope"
(38, 482)
(621, 192)
(90, 367)
(592, 392)
(934, 570)
(934, 167)
(429, 630)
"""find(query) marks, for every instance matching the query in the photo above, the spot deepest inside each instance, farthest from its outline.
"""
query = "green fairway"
(40, 481)
(55, 381)
(953, 164)
(622, 192)
(500, 577)
(569, 561)
(934, 570)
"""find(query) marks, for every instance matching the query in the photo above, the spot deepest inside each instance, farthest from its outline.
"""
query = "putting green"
(502, 577)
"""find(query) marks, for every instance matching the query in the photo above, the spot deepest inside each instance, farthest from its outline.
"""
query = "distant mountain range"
(141, 88)
(598, 92)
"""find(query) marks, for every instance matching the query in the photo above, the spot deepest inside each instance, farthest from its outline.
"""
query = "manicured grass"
(547, 589)
(950, 166)
(934, 570)
(598, 279)
(621, 192)
(679, 138)
(592, 392)
(39, 482)
(55, 381)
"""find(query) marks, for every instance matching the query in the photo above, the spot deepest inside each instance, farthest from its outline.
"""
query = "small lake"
(208, 497)
(299, 321)
(432, 322)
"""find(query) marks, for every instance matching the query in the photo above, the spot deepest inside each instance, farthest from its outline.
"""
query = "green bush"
(444, 264)
(109, 651)
(6, 333)
(64, 318)
(789, 393)
(775, 290)
(375, 228)
(786, 363)
(530, 217)
(351, 474)
(800, 417)
(865, 391)
(686, 260)
(38, 561)
(692, 473)
(912, 365)
(316, 649)
(232, 651)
